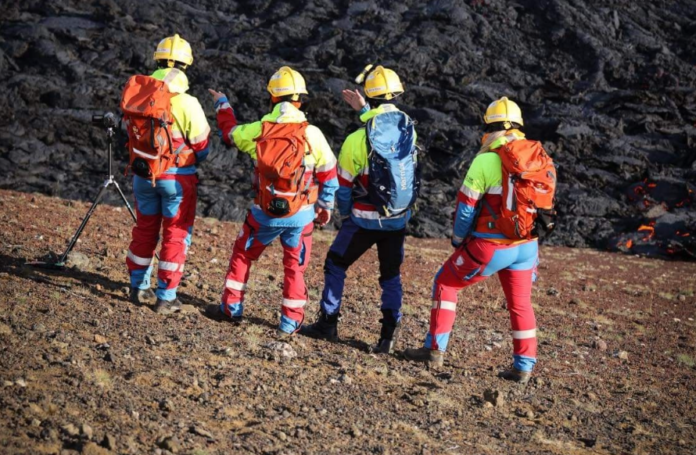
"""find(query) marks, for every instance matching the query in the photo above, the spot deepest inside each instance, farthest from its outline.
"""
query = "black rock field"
(608, 86)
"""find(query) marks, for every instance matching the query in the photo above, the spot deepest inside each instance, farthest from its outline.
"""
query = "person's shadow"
(99, 285)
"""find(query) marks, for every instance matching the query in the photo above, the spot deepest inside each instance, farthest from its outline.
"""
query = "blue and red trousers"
(251, 242)
(169, 207)
(474, 261)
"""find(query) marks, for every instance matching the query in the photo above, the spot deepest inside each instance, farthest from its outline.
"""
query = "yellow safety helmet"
(174, 49)
(286, 81)
(504, 110)
(383, 83)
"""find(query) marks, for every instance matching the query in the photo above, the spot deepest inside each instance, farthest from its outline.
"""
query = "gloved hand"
(217, 96)
(321, 216)
(354, 99)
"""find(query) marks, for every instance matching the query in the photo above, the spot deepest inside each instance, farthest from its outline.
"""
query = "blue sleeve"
(463, 221)
(202, 155)
(327, 191)
(344, 200)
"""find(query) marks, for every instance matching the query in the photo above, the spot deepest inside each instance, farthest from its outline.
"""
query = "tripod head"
(107, 120)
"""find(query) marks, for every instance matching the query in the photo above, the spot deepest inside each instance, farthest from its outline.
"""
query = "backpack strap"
(489, 208)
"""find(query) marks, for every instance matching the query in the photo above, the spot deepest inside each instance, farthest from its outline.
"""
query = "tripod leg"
(84, 222)
(125, 201)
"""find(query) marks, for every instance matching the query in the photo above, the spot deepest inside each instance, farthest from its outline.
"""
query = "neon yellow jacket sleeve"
(244, 135)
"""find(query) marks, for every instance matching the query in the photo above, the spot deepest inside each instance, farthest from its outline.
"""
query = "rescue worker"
(286, 87)
(482, 250)
(362, 225)
(171, 204)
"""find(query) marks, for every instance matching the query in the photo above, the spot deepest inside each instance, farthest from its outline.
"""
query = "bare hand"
(354, 99)
(322, 217)
(216, 95)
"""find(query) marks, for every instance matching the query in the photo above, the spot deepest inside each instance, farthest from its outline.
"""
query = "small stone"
(78, 260)
(109, 442)
(282, 436)
(200, 431)
(553, 291)
(166, 405)
(38, 327)
(100, 339)
(599, 345)
(35, 423)
(170, 443)
(623, 355)
(589, 287)
(70, 429)
(281, 351)
(529, 415)
(355, 432)
(344, 378)
(87, 431)
(493, 397)
(21, 382)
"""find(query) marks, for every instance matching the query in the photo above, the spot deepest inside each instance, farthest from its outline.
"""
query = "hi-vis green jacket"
(321, 163)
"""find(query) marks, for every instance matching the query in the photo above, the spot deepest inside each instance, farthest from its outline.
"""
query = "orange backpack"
(529, 185)
(147, 111)
(280, 155)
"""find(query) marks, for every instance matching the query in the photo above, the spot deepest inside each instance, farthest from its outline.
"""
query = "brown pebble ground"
(83, 370)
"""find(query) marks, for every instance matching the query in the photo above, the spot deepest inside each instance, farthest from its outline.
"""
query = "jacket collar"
(376, 111)
(175, 79)
(285, 112)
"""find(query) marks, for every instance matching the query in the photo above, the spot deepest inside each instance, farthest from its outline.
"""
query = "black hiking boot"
(515, 375)
(215, 313)
(388, 335)
(326, 327)
(433, 358)
(167, 306)
(142, 296)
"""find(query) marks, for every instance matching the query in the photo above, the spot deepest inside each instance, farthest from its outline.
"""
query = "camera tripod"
(60, 262)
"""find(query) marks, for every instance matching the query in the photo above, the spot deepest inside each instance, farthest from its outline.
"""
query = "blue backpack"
(394, 172)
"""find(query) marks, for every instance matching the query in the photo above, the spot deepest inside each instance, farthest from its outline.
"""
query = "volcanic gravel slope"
(84, 370)
(608, 86)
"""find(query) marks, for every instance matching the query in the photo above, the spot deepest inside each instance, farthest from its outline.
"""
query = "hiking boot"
(326, 327)
(387, 337)
(515, 375)
(167, 306)
(433, 358)
(142, 296)
(215, 313)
